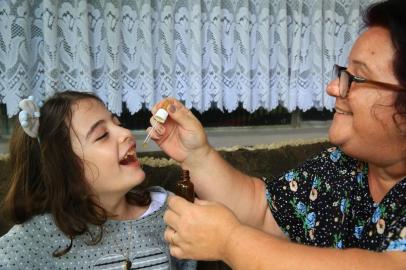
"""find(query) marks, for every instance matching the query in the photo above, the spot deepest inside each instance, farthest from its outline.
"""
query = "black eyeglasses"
(345, 79)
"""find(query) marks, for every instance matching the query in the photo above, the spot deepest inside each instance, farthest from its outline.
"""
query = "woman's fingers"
(173, 238)
(197, 231)
(171, 219)
(176, 251)
(178, 204)
(178, 112)
(202, 202)
(169, 235)
(159, 129)
(161, 103)
(183, 116)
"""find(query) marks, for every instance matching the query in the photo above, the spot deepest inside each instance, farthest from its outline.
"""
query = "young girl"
(74, 194)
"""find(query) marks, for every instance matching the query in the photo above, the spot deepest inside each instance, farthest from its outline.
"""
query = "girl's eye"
(105, 134)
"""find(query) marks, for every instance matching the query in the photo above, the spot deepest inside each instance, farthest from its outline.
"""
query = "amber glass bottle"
(185, 188)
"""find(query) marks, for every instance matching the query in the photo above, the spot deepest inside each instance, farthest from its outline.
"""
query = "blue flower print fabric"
(326, 202)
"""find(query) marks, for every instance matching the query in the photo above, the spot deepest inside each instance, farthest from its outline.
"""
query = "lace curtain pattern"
(260, 53)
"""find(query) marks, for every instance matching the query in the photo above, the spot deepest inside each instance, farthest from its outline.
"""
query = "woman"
(343, 209)
(75, 192)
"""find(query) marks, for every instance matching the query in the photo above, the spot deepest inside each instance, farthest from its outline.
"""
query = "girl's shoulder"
(38, 232)
(36, 227)
(27, 242)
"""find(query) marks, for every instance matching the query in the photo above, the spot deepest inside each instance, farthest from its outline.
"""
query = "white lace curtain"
(258, 52)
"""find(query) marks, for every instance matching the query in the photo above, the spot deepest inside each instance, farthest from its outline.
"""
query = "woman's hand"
(182, 136)
(198, 231)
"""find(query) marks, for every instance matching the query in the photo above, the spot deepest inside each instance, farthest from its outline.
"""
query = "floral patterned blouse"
(326, 202)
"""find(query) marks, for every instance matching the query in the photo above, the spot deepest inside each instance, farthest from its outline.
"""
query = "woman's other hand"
(182, 136)
(198, 231)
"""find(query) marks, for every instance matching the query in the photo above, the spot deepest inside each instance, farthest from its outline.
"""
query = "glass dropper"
(160, 117)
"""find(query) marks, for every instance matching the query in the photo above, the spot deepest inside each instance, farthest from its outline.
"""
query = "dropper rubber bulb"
(160, 117)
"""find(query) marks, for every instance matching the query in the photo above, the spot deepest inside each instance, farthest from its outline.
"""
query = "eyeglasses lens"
(343, 82)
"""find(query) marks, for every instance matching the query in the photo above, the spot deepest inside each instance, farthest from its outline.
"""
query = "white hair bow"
(29, 116)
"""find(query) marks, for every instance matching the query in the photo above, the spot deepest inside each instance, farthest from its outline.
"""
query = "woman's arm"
(208, 231)
(183, 138)
(216, 180)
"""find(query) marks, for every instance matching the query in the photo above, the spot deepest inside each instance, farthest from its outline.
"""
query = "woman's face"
(363, 126)
(107, 150)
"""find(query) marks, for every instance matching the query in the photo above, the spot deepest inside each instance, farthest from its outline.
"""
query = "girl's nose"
(125, 134)
(333, 88)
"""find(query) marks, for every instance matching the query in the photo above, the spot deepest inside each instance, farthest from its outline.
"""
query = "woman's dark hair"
(391, 16)
(48, 177)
